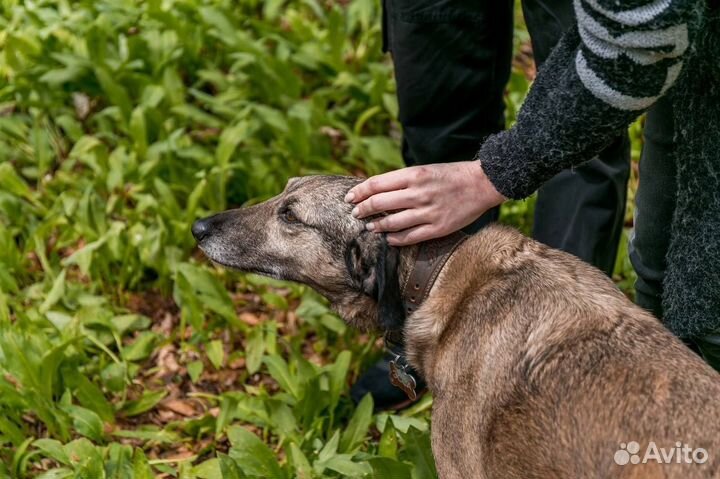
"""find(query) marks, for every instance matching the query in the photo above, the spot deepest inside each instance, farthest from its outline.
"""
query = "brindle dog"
(539, 366)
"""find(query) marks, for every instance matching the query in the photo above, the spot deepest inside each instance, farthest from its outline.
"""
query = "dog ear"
(391, 311)
(360, 265)
(373, 269)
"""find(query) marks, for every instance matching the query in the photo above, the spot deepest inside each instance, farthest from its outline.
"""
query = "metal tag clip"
(400, 378)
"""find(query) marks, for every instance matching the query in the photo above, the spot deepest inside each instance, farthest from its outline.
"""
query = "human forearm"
(600, 78)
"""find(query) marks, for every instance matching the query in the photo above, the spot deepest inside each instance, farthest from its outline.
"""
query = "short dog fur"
(539, 366)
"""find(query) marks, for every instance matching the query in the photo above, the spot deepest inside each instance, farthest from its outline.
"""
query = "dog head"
(307, 234)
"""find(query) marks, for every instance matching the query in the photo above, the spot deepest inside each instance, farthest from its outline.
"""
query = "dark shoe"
(376, 381)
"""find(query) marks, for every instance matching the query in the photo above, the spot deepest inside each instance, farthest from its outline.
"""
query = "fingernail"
(349, 197)
(356, 212)
(370, 226)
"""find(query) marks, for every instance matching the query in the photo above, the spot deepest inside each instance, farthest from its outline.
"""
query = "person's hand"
(424, 202)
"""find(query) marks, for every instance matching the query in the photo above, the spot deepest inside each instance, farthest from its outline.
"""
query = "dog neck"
(429, 260)
(418, 268)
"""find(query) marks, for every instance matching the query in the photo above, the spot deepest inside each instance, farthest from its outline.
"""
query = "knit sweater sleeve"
(618, 61)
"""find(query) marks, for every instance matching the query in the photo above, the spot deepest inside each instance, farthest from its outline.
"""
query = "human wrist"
(486, 190)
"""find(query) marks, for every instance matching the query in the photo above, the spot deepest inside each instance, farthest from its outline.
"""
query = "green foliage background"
(122, 352)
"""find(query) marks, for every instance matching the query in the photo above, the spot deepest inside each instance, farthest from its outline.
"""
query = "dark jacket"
(608, 70)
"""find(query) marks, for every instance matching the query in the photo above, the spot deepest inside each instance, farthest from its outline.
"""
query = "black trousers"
(452, 62)
(654, 210)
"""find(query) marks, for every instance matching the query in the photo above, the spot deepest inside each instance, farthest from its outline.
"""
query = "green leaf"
(50, 363)
(382, 152)
(174, 86)
(275, 300)
(255, 347)
(130, 322)
(114, 90)
(142, 347)
(364, 117)
(253, 456)
(194, 199)
(149, 433)
(228, 407)
(56, 292)
(299, 462)
(390, 102)
(119, 462)
(330, 448)
(138, 131)
(229, 140)
(57, 473)
(311, 308)
(333, 323)
(4, 309)
(10, 432)
(85, 458)
(11, 182)
(114, 375)
(195, 115)
(141, 467)
(209, 469)
(89, 395)
(53, 449)
(388, 445)
(279, 371)
(85, 421)
(385, 468)
(18, 455)
(84, 256)
(401, 423)
(282, 417)
(313, 403)
(419, 453)
(195, 369)
(347, 467)
(208, 290)
(229, 468)
(217, 19)
(148, 401)
(272, 117)
(215, 353)
(354, 434)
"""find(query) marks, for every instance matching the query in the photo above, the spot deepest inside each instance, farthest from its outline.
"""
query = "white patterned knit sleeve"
(619, 60)
(651, 38)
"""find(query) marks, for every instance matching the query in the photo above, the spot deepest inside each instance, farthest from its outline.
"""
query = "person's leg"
(452, 62)
(654, 207)
(580, 211)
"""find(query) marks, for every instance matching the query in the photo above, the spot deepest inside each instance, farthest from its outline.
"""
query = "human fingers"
(414, 235)
(387, 201)
(393, 180)
(397, 221)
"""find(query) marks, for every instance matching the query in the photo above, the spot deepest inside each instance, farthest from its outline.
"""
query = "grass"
(123, 353)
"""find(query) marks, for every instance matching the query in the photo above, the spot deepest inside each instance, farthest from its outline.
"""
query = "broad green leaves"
(253, 456)
(356, 430)
(122, 353)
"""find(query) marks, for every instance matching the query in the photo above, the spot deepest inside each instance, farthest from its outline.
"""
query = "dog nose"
(200, 229)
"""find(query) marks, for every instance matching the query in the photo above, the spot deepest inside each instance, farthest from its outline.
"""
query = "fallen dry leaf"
(184, 408)
(249, 318)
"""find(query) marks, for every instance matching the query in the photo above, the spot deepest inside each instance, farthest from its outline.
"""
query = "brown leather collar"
(431, 257)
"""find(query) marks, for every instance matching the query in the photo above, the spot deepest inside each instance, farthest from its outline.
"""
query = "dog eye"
(288, 216)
